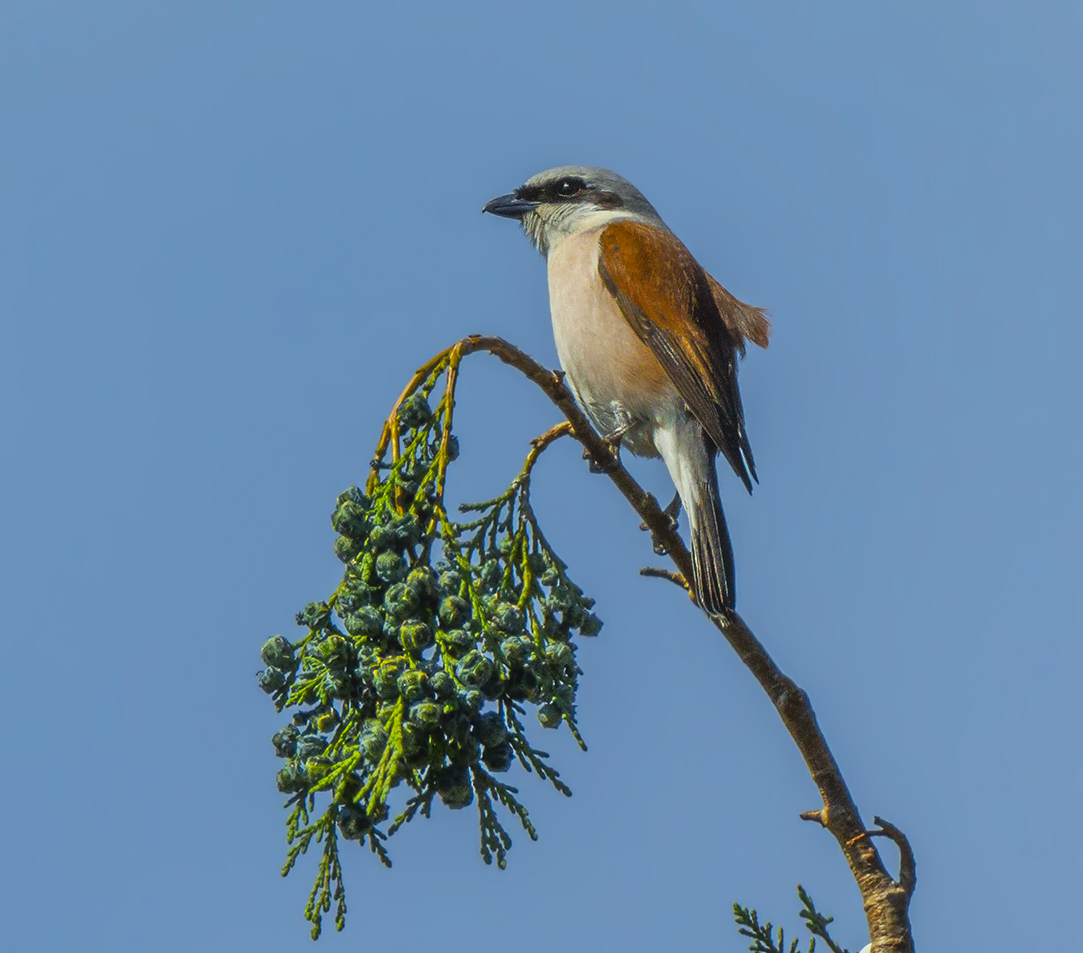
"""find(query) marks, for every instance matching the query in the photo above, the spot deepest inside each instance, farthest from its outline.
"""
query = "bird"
(648, 342)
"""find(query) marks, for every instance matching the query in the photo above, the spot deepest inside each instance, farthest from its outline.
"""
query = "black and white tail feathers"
(712, 551)
(689, 456)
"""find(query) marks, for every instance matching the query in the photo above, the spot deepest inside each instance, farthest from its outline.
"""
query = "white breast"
(615, 377)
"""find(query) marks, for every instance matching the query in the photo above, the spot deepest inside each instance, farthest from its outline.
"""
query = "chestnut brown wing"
(695, 333)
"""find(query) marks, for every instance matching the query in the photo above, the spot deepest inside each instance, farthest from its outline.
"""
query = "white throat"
(549, 225)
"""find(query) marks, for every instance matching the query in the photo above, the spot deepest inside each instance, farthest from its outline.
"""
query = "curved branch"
(885, 900)
(908, 869)
(538, 446)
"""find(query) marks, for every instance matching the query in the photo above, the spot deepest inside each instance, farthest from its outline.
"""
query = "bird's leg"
(672, 511)
(613, 442)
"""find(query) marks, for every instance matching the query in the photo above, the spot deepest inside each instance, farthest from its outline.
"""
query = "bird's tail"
(691, 465)
(712, 551)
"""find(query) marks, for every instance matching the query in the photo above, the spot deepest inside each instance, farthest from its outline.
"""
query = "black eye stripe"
(569, 187)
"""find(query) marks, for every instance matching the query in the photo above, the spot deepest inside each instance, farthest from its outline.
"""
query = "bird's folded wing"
(693, 326)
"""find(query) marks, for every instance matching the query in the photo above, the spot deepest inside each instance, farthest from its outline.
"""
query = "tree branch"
(886, 901)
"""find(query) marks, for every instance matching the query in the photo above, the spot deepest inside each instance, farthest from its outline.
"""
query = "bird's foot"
(672, 510)
(610, 465)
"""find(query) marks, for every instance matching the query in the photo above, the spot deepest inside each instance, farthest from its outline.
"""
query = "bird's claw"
(671, 511)
(608, 466)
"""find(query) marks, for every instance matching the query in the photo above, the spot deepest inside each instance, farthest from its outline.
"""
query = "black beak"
(509, 206)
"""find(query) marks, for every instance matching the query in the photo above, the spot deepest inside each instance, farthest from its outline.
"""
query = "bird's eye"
(570, 186)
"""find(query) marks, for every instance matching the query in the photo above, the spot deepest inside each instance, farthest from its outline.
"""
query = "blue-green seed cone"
(271, 679)
(453, 611)
(415, 636)
(364, 623)
(383, 537)
(317, 768)
(498, 758)
(292, 778)
(414, 412)
(442, 685)
(427, 713)
(471, 699)
(354, 495)
(450, 581)
(285, 741)
(490, 729)
(415, 739)
(412, 684)
(549, 715)
(315, 615)
(335, 651)
(386, 682)
(494, 686)
(353, 822)
(466, 753)
(491, 573)
(458, 642)
(400, 603)
(277, 653)
(454, 788)
(508, 618)
(424, 583)
(406, 529)
(390, 567)
(560, 653)
(590, 625)
(373, 739)
(308, 746)
(351, 520)
(474, 668)
(346, 548)
(516, 650)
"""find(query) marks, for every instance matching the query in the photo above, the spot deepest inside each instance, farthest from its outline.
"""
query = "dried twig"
(675, 577)
(908, 870)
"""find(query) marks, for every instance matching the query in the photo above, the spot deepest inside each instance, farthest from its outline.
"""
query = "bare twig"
(555, 432)
(675, 577)
(886, 901)
(908, 869)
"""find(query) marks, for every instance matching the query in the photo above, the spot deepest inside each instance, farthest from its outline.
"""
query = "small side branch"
(908, 870)
(674, 577)
(540, 444)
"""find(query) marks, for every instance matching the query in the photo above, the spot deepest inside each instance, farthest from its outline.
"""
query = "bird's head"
(572, 198)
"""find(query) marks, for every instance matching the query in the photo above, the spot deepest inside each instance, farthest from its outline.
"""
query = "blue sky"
(231, 231)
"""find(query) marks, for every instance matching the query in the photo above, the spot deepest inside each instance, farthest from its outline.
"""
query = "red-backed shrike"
(648, 342)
